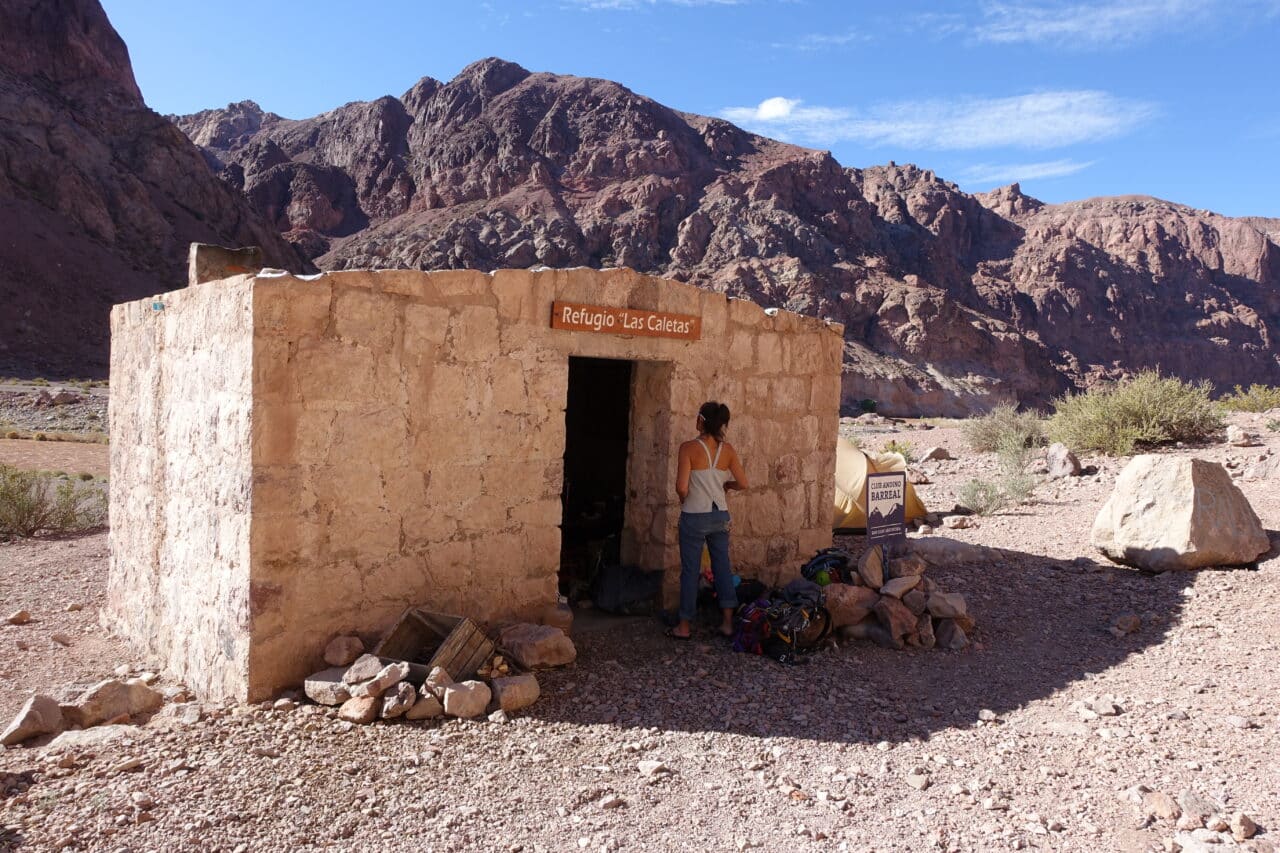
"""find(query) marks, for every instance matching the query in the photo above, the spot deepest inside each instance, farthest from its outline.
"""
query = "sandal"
(671, 632)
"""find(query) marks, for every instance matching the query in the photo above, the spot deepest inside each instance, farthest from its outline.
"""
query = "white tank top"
(706, 487)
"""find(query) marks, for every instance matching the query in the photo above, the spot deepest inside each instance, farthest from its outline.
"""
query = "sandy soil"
(810, 757)
(72, 457)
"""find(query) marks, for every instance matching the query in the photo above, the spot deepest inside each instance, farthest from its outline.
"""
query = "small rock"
(906, 566)
(365, 668)
(39, 716)
(612, 801)
(958, 522)
(950, 635)
(142, 800)
(533, 646)
(61, 639)
(74, 607)
(651, 768)
(361, 710)
(947, 605)
(398, 700)
(936, 454)
(918, 780)
(427, 707)
(284, 705)
(987, 715)
(499, 716)
(112, 699)
(1238, 722)
(1239, 437)
(389, 676)
(871, 567)
(1125, 624)
(1061, 462)
(437, 681)
(95, 738)
(343, 651)
(915, 602)
(925, 637)
(1160, 805)
(515, 692)
(180, 713)
(1242, 826)
(326, 687)
(897, 587)
(19, 617)
(466, 700)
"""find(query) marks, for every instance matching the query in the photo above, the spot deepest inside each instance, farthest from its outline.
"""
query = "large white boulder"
(1176, 513)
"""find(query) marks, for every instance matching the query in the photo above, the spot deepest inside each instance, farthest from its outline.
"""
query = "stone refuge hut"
(294, 458)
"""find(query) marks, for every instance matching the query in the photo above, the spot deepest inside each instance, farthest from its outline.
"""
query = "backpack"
(778, 624)
(830, 565)
(751, 626)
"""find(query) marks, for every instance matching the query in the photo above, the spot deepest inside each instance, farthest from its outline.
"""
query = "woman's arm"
(739, 480)
(682, 474)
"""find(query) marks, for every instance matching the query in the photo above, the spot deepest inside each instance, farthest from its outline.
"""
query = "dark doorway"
(597, 431)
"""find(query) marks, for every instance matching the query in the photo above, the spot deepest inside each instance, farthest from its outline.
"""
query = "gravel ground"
(755, 754)
(32, 408)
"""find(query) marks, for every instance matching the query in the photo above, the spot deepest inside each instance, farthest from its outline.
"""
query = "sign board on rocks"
(886, 508)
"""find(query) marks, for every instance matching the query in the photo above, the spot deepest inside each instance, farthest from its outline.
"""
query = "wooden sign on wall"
(625, 321)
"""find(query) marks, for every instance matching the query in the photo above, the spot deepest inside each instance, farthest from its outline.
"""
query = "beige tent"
(852, 467)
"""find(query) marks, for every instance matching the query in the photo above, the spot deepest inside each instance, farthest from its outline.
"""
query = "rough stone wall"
(181, 481)
(408, 437)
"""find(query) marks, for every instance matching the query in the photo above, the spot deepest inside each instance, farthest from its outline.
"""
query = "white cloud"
(1008, 173)
(1088, 23)
(1036, 120)
(811, 42)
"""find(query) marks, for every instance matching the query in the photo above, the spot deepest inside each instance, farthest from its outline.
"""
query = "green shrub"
(987, 433)
(982, 497)
(1273, 425)
(31, 502)
(13, 434)
(85, 476)
(1146, 411)
(41, 437)
(905, 449)
(867, 405)
(1257, 398)
(1013, 486)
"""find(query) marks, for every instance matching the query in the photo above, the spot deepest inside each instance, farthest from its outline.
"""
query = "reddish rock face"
(99, 196)
(952, 302)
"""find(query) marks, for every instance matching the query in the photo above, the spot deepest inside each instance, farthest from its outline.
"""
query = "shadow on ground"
(1043, 624)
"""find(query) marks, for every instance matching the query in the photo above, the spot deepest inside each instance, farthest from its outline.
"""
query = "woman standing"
(708, 465)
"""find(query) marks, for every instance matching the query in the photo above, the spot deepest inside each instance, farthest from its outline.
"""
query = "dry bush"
(1146, 411)
(1001, 425)
(32, 502)
(1256, 398)
(1012, 487)
(905, 449)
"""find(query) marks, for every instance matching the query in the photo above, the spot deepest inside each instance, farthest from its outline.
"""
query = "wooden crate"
(428, 639)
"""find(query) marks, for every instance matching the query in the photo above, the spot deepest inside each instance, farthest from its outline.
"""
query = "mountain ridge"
(952, 301)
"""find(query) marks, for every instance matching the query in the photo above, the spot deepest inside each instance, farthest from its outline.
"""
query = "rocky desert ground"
(1048, 732)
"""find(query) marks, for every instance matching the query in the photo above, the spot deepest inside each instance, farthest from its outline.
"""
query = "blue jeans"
(711, 529)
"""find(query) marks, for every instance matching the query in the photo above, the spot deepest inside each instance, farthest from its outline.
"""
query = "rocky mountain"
(951, 301)
(99, 196)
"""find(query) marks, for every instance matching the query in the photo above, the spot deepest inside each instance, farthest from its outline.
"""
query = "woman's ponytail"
(715, 417)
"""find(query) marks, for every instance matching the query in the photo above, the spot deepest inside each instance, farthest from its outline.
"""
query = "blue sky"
(1074, 98)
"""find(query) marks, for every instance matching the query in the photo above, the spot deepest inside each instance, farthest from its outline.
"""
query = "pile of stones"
(367, 688)
(890, 602)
